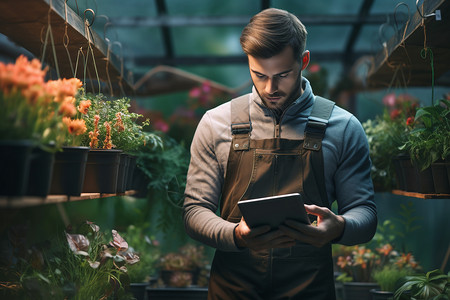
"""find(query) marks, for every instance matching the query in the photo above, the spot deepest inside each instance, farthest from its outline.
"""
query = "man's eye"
(260, 75)
(283, 75)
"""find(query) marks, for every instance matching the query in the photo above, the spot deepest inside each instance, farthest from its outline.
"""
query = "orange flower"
(385, 250)
(67, 108)
(75, 126)
(119, 123)
(84, 106)
(94, 135)
(107, 143)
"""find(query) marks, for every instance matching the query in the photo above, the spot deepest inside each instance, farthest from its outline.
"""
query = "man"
(278, 139)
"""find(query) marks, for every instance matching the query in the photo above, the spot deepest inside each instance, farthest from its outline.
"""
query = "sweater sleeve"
(354, 187)
(203, 188)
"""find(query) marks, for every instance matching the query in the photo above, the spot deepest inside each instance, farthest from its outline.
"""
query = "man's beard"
(295, 93)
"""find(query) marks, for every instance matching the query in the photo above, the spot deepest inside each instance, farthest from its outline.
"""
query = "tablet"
(273, 210)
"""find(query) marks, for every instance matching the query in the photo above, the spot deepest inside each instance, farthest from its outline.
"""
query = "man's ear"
(305, 59)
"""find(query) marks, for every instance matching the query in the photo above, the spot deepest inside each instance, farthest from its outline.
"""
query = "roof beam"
(362, 16)
(167, 37)
(231, 59)
(181, 21)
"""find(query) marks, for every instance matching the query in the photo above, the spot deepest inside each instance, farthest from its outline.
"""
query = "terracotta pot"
(68, 171)
(102, 169)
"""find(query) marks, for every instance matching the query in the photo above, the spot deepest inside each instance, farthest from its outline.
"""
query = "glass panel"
(206, 40)
(343, 7)
(212, 8)
(327, 38)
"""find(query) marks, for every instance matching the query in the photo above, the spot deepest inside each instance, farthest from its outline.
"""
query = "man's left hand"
(329, 227)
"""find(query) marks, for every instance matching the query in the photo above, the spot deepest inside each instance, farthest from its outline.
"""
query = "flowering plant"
(110, 124)
(189, 262)
(83, 265)
(386, 134)
(429, 140)
(32, 108)
(362, 264)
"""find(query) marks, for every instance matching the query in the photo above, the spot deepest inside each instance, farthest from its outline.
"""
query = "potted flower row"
(52, 132)
(410, 146)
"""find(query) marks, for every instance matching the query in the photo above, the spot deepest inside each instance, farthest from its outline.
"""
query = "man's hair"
(270, 31)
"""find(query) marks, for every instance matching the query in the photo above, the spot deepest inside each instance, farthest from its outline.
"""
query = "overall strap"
(241, 125)
(317, 123)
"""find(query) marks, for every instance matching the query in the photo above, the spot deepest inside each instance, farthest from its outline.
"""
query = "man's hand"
(329, 227)
(261, 237)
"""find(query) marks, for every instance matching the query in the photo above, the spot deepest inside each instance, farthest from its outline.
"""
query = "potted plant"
(112, 134)
(396, 267)
(32, 111)
(432, 285)
(183, 268)
(428, 143)
(386, 134)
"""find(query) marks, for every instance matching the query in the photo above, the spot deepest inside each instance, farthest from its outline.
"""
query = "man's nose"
(271, 85)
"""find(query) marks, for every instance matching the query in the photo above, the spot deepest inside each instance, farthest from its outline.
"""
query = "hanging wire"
(88, 33)
(121, 67)
(108, 53)
(66, 39)
(44, 41)
(395, 15)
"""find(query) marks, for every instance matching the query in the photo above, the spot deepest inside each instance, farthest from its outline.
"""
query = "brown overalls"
(259, 168)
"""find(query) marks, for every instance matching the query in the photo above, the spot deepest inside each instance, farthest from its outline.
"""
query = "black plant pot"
(131, 167)
(41, 170)
(358, 290)
(68, 171)
(122, 176)
(102, 169)
(15, 159)
(139, 290)
(440, 177)
(381, 295)
(189, 293)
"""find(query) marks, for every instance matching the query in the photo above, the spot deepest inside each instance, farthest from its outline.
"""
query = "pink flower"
(118, 242)
(389, 100)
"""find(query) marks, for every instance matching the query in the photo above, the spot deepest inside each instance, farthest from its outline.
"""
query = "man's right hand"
(261, 237)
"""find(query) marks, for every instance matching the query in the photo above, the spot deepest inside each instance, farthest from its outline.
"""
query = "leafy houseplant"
(432, 285)
(386, 134)
(429, 141)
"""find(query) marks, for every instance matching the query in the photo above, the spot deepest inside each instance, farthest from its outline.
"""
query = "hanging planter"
(15, 159)
(102, 169)
(41, 170)
(123, 173)
(440, 177)
(68, 171)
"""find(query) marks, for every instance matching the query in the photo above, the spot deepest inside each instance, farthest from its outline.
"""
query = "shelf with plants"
(52, 27)
(408, 52)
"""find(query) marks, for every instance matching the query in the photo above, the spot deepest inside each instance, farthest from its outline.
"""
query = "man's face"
(278, 78)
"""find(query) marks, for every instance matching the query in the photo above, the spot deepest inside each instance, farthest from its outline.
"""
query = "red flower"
(395, 114)
(410, 121)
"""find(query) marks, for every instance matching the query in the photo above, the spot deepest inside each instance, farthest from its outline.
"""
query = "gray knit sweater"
(346, 160)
